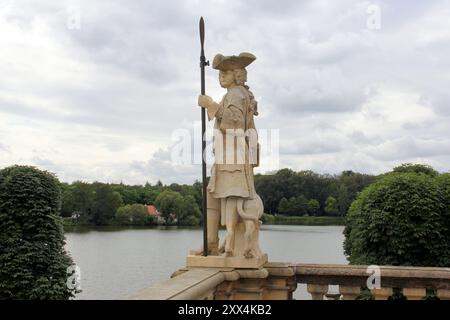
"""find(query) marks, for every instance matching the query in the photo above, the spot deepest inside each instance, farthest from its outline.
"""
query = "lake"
(117, 262)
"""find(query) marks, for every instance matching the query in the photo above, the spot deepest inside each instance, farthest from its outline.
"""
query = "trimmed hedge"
(32, 256)
(401, 219)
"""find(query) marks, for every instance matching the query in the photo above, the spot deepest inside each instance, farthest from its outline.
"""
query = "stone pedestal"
(225, 262)
(262, 284)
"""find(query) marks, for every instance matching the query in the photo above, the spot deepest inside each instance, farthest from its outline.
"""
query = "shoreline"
(268, 220)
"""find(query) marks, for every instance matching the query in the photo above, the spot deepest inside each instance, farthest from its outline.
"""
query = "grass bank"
(304, 220)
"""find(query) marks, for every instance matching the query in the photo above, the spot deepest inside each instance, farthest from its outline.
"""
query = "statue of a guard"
(231, 195)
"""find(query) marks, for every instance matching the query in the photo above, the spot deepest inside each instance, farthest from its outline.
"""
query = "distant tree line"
(308, 193)
(104, 204)
(286, 192)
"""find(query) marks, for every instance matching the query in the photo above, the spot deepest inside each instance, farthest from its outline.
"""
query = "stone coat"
(232, 176)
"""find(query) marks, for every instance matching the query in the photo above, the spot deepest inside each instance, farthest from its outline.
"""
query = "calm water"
(117, 262)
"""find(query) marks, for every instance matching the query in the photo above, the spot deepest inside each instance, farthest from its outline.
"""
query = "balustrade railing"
(279, 281)
(413, 282)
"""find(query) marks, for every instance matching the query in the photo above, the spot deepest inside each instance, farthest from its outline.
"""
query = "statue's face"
(241, 76)
(226, 78)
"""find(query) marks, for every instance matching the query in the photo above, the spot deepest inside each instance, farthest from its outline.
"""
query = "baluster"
(317, 291)
(414, 293)
(348, 292)
(382, 293)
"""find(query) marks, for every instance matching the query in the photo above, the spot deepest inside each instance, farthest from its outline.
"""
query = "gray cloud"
(109, 95)
(409, 148)
(160, 167)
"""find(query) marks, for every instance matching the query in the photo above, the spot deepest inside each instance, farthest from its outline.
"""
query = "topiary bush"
(401, 219)
(416, 168)
(32, 256)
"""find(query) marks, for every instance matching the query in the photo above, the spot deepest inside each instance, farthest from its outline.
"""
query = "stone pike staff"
(203, 63)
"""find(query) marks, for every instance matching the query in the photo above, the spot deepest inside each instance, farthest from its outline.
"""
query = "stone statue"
(232, 199)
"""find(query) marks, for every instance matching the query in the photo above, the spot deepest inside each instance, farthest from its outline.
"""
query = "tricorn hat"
(225, 63)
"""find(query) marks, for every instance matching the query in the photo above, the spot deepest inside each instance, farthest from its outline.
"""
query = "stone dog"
(250, 211)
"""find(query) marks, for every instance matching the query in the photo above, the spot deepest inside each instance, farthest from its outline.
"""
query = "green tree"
(189, 212)
(349, 184)
(169, 203)
(123, 216)
(313, 207)
(298, 205)
(173, 206)
(416, 168)
(133, 214)
(197, 192)
(344, 200)
(78, 198)
(284, 206)
(444, 185)
(399, 220)
(32, 256)
(67, 205)
(331, 206)
(105, 204)
(140, 215)
(287, 184)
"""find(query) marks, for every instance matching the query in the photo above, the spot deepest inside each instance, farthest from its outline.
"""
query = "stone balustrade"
(413, 281)
(278, 281)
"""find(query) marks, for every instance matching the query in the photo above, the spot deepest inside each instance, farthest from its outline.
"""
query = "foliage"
(169, 204)
(401, 219)
(189, 213)
(134, 214)
(331, 206)
(444, 185)
(416, 168)
(303, 220)
(365, 294)
(176, 209)
(96, 203)
(284, 206)
(286, 192)
(298, 206)
(313, 207)
(308, 185)
(78, 200)
(105, 204)
(268, 219)
(32, 256)
(136, 194)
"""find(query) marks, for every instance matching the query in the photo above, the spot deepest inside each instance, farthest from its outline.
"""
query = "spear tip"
(202, 31)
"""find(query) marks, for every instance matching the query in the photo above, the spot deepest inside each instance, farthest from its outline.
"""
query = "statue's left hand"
(205, 101)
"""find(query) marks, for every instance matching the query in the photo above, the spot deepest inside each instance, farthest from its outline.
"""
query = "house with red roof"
(153, 212)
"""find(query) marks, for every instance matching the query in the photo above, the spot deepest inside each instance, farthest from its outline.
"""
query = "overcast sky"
(347, 91)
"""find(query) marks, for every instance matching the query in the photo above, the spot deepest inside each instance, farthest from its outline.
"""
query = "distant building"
(153, 212)
(75, 215)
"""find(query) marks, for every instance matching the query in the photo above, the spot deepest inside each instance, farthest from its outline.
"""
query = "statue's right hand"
(205, 101)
